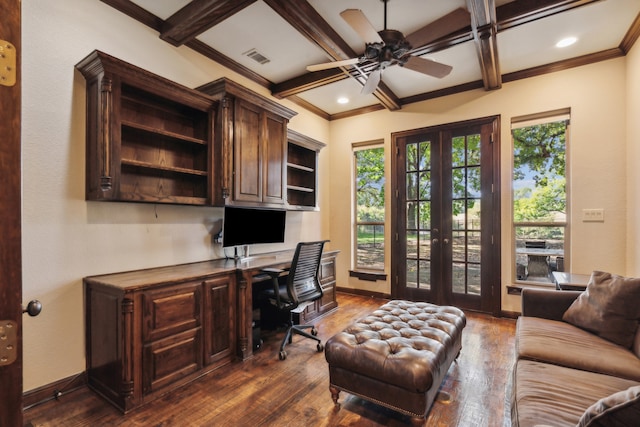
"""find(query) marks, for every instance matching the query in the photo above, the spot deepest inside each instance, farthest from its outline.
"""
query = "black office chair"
(302, 288)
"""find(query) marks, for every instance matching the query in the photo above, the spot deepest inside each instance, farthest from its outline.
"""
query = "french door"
(446, 212)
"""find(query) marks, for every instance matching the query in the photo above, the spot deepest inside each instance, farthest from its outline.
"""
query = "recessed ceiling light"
(343, 100)
(566, 42)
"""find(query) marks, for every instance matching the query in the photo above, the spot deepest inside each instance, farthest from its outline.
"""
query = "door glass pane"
(458, 277)
(425, 186)
(412, 273)
(473, 150)
(473, 247)
(425, 245)
(425, 155)
(458, 155)
(412, 157)
(412, 215)
(459, 183)
(473, 214)
(473, 279)
(425, 215)
(473, 182)
(425, 275)
(412, 244)
(458, 246)
(412, 186)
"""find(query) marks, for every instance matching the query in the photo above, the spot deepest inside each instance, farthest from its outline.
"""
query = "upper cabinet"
(302, 171)
(252, 136)
(152, 140)
(148, 139)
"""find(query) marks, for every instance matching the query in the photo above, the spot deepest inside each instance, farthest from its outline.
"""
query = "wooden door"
(446, 215)
(10, 225)
(219, 316)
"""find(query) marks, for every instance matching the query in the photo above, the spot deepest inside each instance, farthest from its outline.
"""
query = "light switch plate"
(593, 215)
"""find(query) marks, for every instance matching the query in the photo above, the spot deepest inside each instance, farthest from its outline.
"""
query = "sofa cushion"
(609, 307)
(619, 409)
(546, 394)
(563, 344)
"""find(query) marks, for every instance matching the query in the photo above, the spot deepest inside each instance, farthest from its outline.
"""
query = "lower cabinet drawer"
(168, 360)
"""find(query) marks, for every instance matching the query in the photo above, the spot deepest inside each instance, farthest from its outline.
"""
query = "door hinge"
(491, 138)
(8, 342)
(7, 63)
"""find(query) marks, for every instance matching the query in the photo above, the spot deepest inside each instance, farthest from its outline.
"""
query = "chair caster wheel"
(320, 347)
(314, 332)
(282, 355)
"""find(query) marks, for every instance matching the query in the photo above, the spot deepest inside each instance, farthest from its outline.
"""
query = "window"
(540, 196)
(369, 195)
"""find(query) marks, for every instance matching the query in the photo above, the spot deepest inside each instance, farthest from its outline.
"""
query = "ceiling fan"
(390, 47)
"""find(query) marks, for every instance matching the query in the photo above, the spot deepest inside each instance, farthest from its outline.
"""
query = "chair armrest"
(547, 304)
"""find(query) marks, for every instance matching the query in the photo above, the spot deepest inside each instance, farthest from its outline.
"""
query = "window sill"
(370, 276)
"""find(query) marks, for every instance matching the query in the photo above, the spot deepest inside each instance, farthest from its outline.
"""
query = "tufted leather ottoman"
(397, 356)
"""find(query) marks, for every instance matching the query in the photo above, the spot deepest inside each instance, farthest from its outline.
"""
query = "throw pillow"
(619, 409)
(609, 308)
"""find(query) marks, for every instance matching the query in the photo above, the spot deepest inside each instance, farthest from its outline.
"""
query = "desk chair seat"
(302, 288)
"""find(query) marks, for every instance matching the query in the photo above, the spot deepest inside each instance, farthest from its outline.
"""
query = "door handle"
(33, 308)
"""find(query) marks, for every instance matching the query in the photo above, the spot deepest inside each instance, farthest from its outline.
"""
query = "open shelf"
(302, 177)
(148, 139)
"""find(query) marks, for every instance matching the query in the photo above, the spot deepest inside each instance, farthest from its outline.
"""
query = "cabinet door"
(328, 282)
(275, 146)
(169, 360)
(247, 180)
(171, 310)
(219, 314)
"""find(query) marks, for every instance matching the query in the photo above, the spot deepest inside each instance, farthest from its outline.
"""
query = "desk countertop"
(132, 280)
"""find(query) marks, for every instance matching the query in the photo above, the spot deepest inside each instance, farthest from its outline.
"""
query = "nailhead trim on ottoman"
(396, 356)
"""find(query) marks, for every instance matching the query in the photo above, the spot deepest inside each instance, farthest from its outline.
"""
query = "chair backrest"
(303, 283)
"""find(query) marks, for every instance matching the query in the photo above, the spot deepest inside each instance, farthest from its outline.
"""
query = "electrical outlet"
(593, 215)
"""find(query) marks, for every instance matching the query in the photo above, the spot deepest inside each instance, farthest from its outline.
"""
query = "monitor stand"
(243, 255)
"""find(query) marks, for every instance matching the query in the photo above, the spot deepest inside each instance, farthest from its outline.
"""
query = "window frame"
(526, 121)
(359, 271)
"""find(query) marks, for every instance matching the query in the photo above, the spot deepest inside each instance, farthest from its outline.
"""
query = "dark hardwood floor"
(265, 391)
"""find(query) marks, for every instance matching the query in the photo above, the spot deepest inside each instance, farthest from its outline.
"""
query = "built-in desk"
(150, 331)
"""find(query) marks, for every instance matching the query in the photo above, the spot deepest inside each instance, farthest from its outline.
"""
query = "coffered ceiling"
(488, 43)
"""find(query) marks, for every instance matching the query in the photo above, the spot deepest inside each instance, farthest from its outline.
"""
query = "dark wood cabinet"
(148, 139)
(302, 171)
(252, 133)
(150, 331)
(327, 275)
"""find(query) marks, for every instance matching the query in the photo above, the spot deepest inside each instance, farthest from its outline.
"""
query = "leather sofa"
(565, 375)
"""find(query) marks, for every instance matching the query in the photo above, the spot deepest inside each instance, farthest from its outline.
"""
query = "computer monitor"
(248, 226)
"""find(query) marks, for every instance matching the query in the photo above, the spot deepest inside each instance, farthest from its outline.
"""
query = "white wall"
(66, 238)
(633, 158)
(596, 95)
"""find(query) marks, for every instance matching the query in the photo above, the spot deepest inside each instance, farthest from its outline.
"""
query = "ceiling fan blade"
(335, 64)
(372, 82)
(428, 67)
(361, 25)
(458, 19)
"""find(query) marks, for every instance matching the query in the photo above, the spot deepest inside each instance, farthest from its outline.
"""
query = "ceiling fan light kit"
(389, 47)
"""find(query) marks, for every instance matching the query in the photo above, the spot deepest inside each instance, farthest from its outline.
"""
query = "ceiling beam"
(308, 22)
(483, 24)
(197, 17)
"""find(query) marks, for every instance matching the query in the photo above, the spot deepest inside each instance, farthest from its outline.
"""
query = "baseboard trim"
(362, 292)
(54, 390)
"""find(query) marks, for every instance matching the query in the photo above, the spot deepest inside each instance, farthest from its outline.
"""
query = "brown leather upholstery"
(398, 355)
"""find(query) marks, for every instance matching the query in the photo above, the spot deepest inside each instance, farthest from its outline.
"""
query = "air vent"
(257, 56)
